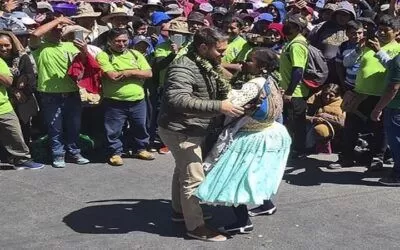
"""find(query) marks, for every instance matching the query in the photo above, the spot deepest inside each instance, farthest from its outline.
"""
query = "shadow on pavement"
(313, 175)
(130, 215)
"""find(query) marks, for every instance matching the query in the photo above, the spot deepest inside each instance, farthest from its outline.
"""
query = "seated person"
(325, 117)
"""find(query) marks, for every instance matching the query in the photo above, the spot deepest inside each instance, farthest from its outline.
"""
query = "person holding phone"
(59, 96)
(369, 83)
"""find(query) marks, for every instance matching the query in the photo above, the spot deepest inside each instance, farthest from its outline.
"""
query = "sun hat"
(195, 16)
(173, 9)
(85, 10)
(179, 26)
(159, 18)
(153, 3)
(118, 13)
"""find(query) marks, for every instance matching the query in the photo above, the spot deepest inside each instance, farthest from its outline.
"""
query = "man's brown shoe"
(205, 234)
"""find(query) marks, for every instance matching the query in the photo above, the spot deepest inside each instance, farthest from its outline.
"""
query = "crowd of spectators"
(95, 70)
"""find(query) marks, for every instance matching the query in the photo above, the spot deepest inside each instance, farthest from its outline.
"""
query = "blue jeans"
(116, 114)
(392, 127)
(62, 115)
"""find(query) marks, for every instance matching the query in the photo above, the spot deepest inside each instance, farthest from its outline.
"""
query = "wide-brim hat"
(153, 3)
(85, 10)
(179, 26)
(173, 9)
(107, 18)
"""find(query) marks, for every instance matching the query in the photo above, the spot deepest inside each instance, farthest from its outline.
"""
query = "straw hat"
(116, 13)
(85, 10)
(179, 26)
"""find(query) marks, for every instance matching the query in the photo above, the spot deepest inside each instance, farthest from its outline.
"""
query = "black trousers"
(377, 141)
(242, 214)
(295, 121)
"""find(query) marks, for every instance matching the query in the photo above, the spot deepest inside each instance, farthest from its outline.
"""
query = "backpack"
(316, 70)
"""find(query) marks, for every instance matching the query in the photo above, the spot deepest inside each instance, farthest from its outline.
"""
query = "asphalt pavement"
(101, 207)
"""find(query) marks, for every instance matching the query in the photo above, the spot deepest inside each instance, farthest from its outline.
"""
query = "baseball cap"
(265, 17)
(159, 17)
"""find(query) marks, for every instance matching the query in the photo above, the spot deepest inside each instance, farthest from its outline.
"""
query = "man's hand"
(374, 44)
(65, 21)
(376, 115)
(81, 45)
(287, 98)
(228, 109)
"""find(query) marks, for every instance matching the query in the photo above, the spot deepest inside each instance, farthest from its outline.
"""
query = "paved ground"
(100, 207)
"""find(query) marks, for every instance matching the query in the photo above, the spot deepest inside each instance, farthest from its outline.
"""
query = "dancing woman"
(247, 163)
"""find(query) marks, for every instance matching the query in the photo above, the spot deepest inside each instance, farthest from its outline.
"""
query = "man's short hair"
(389, 21)
(208, 36)
(354, 25)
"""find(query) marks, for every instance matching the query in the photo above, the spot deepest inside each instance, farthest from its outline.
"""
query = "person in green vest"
(293, 61)
(124, 100)
(233, 27)
(59, 96)
(164, 54)
(10, 129)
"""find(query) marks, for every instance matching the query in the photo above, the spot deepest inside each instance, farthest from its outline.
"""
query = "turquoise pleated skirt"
(250, 170)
